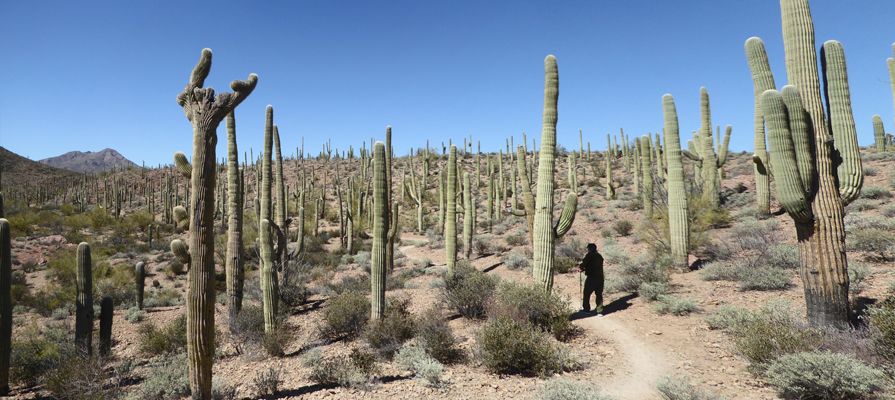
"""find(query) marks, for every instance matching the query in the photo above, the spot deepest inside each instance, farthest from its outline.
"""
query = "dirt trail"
(638, 365)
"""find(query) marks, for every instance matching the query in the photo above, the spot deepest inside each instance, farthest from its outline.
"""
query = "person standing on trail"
(592, 266)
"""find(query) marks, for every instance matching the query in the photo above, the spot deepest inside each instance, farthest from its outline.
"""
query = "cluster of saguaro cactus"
(5, 305)
(679, 225)
(205, 110)
(817, 166)
(703, 152)
(545, 233)
(84, 301)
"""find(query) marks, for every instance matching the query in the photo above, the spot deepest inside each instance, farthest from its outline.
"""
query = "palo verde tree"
(817, 166)
(205, 111)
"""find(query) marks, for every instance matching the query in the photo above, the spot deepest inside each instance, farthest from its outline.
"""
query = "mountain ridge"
(93, 162)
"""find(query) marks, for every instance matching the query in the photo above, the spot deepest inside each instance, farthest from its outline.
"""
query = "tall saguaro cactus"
(678, 224)
(378, 263)
(205, 111)
(84, 301)
(817, 166)
(5, 305)
(879, 133)
(235, 265)
(450, 225)
(762, 79)
(646, 167)
(545, 233)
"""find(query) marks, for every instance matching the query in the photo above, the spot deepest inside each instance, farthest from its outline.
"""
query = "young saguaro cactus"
(84, 301)
(545, 233)
(817, 165)
(205, 111)
(879, 133)
(105, 325)
(5, 305)
(235, 264)
(140, 281)
(678, 224)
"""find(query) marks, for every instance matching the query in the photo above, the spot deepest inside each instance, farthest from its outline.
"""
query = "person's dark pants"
(593, 285)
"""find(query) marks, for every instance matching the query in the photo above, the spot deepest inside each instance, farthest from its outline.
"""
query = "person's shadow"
(619, 304)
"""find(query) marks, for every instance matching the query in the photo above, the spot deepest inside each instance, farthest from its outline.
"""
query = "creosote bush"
(345, 315)
(436, 336)
(528, 303)
(169, 339)
(823, 375)
(467, 291)
(564, 389)
(397, 326)
(507, 346)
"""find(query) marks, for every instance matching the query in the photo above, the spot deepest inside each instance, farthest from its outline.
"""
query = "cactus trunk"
(679, 225)
(5, 305)
(450, 226)
(235, 265)
(380, 232)
(84, 301)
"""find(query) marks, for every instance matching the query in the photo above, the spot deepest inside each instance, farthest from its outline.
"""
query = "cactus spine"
(84, 301)
(205, 111)
(5, 305)
(140, 278)
(545, 233)
(804, 145)
(450, 226)
(235, 264)
(105, 326)
(378, 271)
(679, 225)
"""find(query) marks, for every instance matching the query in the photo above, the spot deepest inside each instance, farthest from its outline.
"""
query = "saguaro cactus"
(545, 233)
(269, 281)
(84, 301)
(205, 111)
(450, 225)
(646, 167)
(816, 161)
(235, 265)
(5, 305)
(528, 199)
(763, 80)
(468, 216)
(879, 133)
(140, 281)
(679, 225)
(105, 325)
(378, 271)
(709, 163)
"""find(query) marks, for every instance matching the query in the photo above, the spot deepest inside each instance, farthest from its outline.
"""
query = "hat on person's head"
(591, 246)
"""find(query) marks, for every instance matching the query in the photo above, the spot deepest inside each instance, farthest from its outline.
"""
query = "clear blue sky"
(88, 75)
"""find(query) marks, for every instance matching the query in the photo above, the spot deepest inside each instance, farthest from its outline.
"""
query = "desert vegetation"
(349, 273)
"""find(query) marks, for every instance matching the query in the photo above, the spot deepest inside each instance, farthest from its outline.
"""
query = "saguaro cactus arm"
(183, 165)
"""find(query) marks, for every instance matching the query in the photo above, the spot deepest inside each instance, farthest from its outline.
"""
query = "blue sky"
(89, 75)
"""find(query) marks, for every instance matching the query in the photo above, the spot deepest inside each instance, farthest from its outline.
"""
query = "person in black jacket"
(592, 266)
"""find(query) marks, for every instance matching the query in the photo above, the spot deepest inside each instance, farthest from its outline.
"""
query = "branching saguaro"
(205, 111)
(817, 166)
(545, 233)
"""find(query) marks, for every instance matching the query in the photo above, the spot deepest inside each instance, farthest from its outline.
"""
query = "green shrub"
(511, 347)
(345, 315)
(437, 337)
(881, 319)
(529, 303)
(396, 326)
(364, 360)
(467, 291)
(857, 273)
(170, 339)
(666, 304)
(769, 333)
(729, 318)
(876, 244)
(415, 359)
(652, 290)
(336, 372)
(168, 378)
(823, 375)
(514, 260)
(763, 278)
(134, 315)
(875, 193)
(623, 227)
(564, 265)
(267, 383)
(516, 239)
(680, 388)
(564, 389)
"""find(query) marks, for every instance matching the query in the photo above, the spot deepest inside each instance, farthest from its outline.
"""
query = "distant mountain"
(89, 161)
(19, 171)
